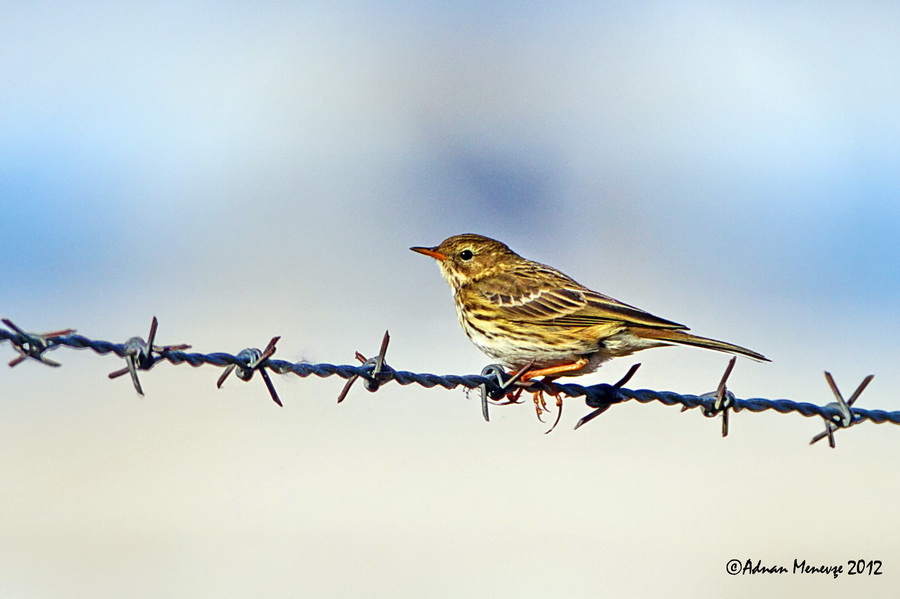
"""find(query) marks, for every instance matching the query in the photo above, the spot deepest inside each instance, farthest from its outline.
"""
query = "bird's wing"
(545, 296)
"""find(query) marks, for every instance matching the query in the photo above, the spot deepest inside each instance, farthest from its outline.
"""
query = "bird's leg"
(540, 405)
(576, 365)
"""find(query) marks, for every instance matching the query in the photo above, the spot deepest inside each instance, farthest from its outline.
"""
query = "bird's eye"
(466, 255)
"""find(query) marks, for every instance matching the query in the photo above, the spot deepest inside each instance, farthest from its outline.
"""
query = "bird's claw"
(540, 404)
(559, 407)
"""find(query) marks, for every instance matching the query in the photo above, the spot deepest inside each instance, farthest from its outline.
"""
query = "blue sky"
(651, 120)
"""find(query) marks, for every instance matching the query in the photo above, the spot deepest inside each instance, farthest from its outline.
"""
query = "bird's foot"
(559, 402)
(512, 397)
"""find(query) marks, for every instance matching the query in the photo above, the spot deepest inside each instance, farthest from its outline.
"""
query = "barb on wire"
(379, 371)
(493, 383)
(249, 361)
(613, 396)
(139, 355)
(844, 418)
(503, 387)
(724, 398)
(33, 345)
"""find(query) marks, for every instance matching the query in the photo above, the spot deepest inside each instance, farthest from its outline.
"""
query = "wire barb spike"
(139, 355)
(725, 399)
(378, 374)
(251, 360)
(502, 385)
(33, 345)
(614, 397)
(844, 418)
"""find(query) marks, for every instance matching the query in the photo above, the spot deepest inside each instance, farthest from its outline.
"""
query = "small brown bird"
(521, 313)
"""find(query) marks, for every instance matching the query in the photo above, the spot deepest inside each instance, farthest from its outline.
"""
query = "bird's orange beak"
(430, 252)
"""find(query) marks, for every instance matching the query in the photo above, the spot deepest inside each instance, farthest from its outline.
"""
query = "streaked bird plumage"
(517, 310)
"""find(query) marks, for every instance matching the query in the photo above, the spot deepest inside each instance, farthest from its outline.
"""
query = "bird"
(529, 316)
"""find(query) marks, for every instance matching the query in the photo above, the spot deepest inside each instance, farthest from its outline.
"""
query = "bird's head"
(469, 257)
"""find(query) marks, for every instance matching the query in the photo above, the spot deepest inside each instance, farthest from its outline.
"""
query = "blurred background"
(244, 171)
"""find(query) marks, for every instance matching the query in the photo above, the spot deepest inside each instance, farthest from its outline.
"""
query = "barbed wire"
(496, 386)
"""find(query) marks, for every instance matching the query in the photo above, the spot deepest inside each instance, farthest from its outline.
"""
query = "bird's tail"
(682, 338)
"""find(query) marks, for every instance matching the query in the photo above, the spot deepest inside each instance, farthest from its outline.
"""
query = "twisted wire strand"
(595, 395)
